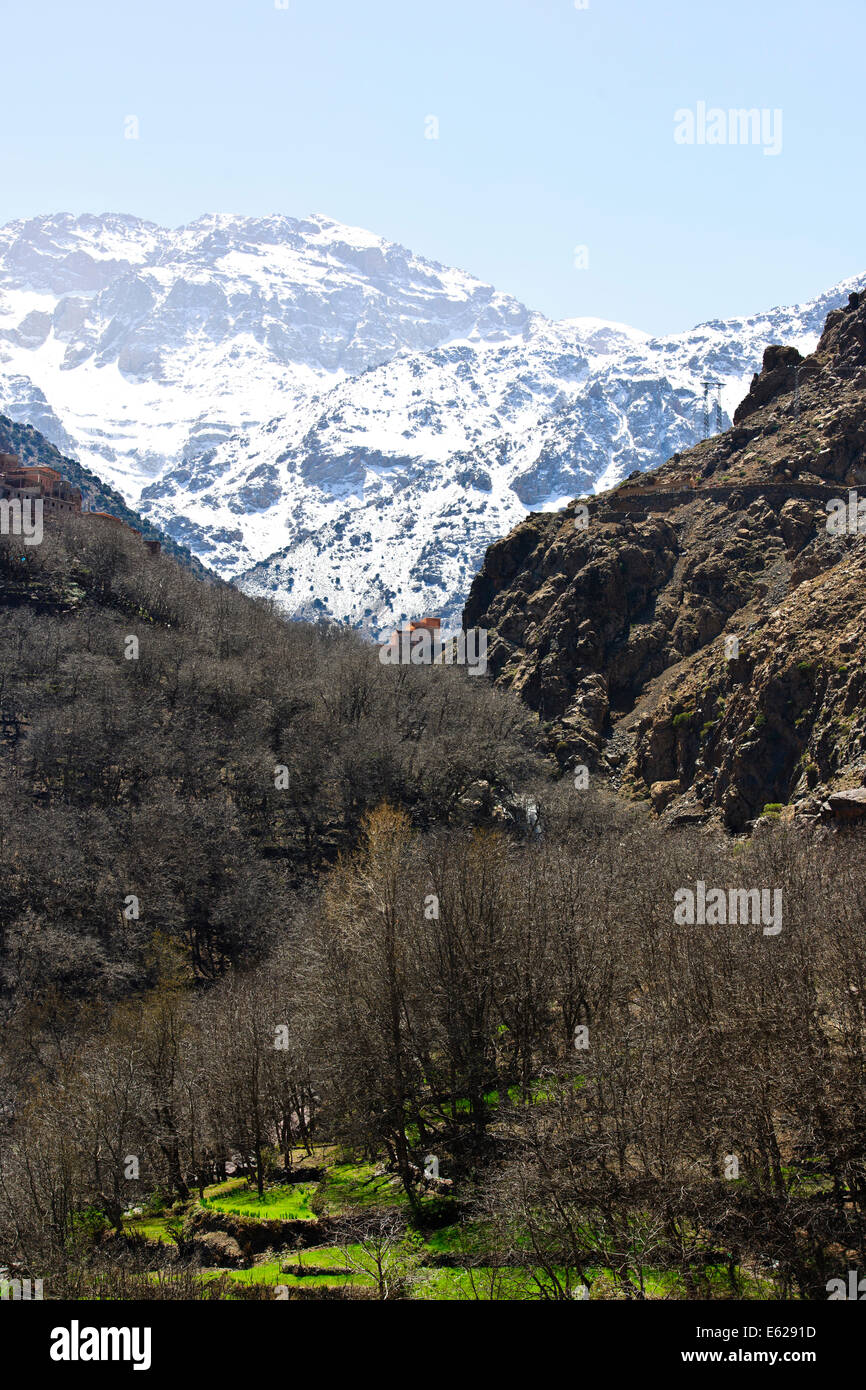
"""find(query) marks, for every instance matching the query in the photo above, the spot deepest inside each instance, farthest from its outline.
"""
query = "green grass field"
(289, 1203)
(150, 1227)
(357, 1185)
(350, 1186)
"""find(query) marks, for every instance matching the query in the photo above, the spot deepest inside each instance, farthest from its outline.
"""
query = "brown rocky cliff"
(615, 632)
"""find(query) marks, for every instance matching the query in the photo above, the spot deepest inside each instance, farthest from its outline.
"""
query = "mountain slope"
(156, 776)
(328, 419)
(32, 449)
(617, 632)
(149, 344)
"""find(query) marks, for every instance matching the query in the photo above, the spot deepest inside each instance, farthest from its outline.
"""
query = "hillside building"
(39, 483)
(58, 497)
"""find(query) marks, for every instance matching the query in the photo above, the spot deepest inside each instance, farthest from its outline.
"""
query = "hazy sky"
(555, 131)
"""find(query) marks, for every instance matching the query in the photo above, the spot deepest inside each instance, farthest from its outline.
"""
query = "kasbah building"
(58, 497)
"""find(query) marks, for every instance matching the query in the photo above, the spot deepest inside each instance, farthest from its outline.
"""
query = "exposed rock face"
(216, 1249)
(774, 378)
(700, 639)
(848, 805)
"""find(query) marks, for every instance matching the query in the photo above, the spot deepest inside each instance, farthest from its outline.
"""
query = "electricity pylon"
(708, 384)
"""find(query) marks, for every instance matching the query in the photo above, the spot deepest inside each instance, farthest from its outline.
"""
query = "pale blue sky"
(555, 130)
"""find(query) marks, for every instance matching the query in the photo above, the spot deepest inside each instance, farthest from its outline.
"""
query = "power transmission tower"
(716, 386)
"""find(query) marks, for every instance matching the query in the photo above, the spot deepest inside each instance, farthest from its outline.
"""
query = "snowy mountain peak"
(326, 416)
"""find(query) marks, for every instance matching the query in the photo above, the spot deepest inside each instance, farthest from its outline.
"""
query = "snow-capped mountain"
(325, 417)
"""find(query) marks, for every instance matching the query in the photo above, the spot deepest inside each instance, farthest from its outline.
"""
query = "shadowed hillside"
(144, 716)
(695, 634)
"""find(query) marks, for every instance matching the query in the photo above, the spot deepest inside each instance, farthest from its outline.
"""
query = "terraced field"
(447, 1260)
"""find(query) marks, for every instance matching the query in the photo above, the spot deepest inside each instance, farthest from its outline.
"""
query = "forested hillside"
(311, 972)
(146, 717)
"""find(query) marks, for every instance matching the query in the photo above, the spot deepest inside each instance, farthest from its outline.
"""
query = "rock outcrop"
(696, 635)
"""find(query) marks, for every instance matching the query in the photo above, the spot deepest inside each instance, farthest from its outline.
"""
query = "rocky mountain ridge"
(695, 635)
(325, 417)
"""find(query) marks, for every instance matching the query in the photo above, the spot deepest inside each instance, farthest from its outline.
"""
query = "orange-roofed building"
(417, 625)
(41, 483)
(38, 483)
(115, 520)
(431, 624)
